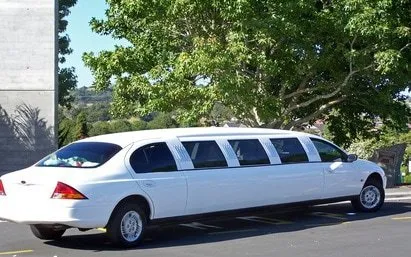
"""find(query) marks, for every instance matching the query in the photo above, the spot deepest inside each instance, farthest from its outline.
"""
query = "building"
(28, 70)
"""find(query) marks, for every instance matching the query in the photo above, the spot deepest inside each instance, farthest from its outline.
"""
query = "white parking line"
(1, 221)
(198, 225)
(327, 224)
(14, 253)
(329, 215)
(386, 199)
(398, 198)
(232, 231)
(401, 218)
(265, 220)
(326, 204)
(398, 193)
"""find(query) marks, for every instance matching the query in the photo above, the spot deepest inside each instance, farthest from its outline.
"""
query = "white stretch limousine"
(126, 181)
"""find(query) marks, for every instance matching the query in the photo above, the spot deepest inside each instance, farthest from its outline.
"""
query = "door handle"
(329, 170)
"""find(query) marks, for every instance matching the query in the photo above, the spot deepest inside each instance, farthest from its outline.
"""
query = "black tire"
(375, 188)
(127, 212)
(45, 232)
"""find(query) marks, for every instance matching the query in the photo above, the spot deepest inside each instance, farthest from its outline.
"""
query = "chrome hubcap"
(131, 226)
(370, 197)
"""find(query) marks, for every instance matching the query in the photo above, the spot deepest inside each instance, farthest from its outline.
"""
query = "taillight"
(2, 191)
(64, 191)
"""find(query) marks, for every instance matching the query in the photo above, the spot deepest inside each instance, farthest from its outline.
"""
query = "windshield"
(81, 155)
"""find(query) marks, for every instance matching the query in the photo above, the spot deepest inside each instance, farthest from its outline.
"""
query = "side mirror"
(352, 158)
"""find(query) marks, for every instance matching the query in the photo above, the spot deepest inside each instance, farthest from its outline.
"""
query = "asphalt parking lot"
(327, 230)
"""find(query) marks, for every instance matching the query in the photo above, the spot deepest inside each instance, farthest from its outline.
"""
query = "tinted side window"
(205, 154)
(249, 152)
(328, 152)
(153, 158)
(290, 150)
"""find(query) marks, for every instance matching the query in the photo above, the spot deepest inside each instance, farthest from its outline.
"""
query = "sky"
(83, 39)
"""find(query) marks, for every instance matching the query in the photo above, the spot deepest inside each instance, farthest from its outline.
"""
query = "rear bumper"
(54, 212)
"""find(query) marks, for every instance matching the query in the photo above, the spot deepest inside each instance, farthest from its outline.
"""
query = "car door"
(340, 177)
(156, 172)
(296, 179)
(227, 175)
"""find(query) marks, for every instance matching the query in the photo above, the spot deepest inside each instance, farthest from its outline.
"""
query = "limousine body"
(126, 181)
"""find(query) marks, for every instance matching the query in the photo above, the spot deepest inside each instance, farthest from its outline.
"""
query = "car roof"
(125, 138)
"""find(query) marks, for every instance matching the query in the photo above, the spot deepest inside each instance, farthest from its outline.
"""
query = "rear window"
(81, 155)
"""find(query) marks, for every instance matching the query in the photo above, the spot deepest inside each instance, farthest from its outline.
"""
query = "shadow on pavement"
(231, 228)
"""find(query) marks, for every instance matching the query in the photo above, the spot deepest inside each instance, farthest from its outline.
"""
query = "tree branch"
(301, 88)
(329, 95)
(299, 92)
(405, 47)
(282, 91)
(315, 99)
(250, 122)
(273, 124)
(256, 116)
(247, 72)
(351, 52)
(314, 114)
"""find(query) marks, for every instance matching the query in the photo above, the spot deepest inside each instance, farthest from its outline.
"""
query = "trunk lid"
(37, 183)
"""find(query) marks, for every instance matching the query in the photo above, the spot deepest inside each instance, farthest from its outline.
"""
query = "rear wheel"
(371, 197)
(46, 232)
(127, 226)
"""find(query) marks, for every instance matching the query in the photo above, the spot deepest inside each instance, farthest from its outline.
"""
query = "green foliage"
(343, 127)
(96, 112)
(67, 82)
(271, 63)
(365, 148)
(162, 120)
(87, 95)
(220, 113)
(139, 125)
(404, 168)
(100, 128)
(104, 127)
(81, 128)
(120, 126)
(66, 76)
(66, 132)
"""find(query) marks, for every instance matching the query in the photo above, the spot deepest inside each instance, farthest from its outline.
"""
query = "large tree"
(66, 76)
(273, 63)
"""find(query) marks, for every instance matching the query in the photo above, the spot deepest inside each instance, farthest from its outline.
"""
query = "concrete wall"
(27, 81)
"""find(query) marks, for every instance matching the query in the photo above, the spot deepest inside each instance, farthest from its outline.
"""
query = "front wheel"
(127, 226)
(45, 232)
(371, 197)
